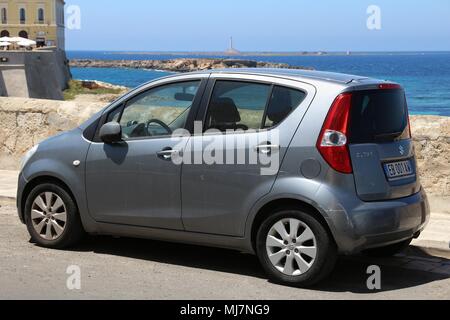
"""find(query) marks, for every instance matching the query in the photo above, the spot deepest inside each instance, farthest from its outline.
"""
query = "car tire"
(52, 217)
(305, 261)
(389, 251)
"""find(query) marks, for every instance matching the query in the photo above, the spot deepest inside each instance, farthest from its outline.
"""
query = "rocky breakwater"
(180, 65)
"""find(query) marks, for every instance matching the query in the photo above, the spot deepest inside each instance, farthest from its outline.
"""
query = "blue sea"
(425, 76)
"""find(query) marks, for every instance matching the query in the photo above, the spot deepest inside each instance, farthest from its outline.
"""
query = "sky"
(259, 25)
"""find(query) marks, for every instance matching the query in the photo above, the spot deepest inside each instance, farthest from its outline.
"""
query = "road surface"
(142, 269)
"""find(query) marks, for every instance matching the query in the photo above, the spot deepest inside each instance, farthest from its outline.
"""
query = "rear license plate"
(400, 169)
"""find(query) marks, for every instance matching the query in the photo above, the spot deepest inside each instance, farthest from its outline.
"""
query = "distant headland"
(180, 65)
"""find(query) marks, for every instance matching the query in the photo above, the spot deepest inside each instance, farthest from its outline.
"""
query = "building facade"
(38, 20)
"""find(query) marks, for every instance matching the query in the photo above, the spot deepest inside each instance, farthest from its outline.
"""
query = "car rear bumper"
(368, 225)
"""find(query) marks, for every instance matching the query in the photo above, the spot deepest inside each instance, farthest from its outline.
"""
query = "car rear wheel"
(52, 218)
(295, 249)
(390, 250)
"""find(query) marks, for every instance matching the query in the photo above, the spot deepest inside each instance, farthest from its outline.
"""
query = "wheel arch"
(286, 203)
(33, 183)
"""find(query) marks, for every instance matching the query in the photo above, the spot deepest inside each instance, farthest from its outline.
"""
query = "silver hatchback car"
(341, 177)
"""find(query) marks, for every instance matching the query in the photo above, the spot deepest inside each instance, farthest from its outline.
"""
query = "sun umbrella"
(24, 43)
(18, 39)
(4, 44)
(5, 39)
(30, 42)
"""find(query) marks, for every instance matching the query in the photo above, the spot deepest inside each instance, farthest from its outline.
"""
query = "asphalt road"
(141, 269)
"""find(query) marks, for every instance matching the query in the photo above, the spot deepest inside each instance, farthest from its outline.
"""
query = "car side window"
(237, 105)
(282, 102)
(159, 111)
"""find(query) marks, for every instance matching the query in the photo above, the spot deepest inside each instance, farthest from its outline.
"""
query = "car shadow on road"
(350, 274)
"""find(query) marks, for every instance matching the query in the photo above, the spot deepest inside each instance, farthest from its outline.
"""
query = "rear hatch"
(380, 145)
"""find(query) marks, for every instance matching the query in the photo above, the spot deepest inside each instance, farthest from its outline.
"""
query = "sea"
(424, 75)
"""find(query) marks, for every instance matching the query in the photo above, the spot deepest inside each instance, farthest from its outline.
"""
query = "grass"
(76, 88)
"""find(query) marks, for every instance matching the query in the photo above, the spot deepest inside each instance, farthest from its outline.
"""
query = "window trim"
(24, 11)
(39, 10)
(122, 103)
(203, 110)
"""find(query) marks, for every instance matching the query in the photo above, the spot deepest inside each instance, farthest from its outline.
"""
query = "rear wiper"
(392, 135)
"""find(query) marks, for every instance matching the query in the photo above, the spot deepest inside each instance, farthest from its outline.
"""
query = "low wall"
(25, 122)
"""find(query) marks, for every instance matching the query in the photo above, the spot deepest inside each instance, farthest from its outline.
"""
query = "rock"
(90, 85)
(179, 65)
(95, 84)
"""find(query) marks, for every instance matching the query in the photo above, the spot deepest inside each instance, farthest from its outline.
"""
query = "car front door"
(242, 117)
(134, 182)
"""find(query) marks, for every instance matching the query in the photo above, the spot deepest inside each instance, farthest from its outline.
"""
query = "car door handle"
(267, 148)
(167, 154)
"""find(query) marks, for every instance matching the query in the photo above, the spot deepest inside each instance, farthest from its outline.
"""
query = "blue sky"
(260, 25)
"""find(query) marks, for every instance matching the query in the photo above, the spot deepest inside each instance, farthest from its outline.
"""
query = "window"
(41, 15)
(237, 105)
(282, 102)
(4, 14)
(245, 105)
(157, 112)
(114, 115)
(23, 34)
(22, 15)
(379, 116)
(4, 33)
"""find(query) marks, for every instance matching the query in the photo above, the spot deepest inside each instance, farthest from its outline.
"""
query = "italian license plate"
(400, 169)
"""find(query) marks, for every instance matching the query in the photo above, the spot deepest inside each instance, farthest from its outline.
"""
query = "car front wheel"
(295, 249)
(52, 218)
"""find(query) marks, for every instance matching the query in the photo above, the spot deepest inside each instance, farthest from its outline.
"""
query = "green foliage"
(76, 88)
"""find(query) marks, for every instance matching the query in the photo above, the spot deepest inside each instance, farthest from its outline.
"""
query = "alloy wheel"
(291, 247)
(49, 216)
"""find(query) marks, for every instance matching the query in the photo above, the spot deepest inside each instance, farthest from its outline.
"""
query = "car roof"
(297, 74)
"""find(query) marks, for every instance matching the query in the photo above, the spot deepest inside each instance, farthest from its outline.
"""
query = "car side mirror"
(111, 132)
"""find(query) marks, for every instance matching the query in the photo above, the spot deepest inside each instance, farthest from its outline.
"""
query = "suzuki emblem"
(402, 150)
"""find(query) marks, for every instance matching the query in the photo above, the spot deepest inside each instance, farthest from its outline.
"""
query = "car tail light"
(333, 141)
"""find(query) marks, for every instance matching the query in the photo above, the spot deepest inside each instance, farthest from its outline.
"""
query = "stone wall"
(432, 139)
(25, 122)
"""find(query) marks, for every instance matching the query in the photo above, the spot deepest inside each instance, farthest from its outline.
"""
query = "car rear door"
(217, 197)
(380, 144)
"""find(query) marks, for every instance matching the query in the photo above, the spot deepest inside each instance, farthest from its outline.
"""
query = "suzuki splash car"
(346, 178)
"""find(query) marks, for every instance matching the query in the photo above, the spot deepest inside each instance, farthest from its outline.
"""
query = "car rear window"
(379, 116)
